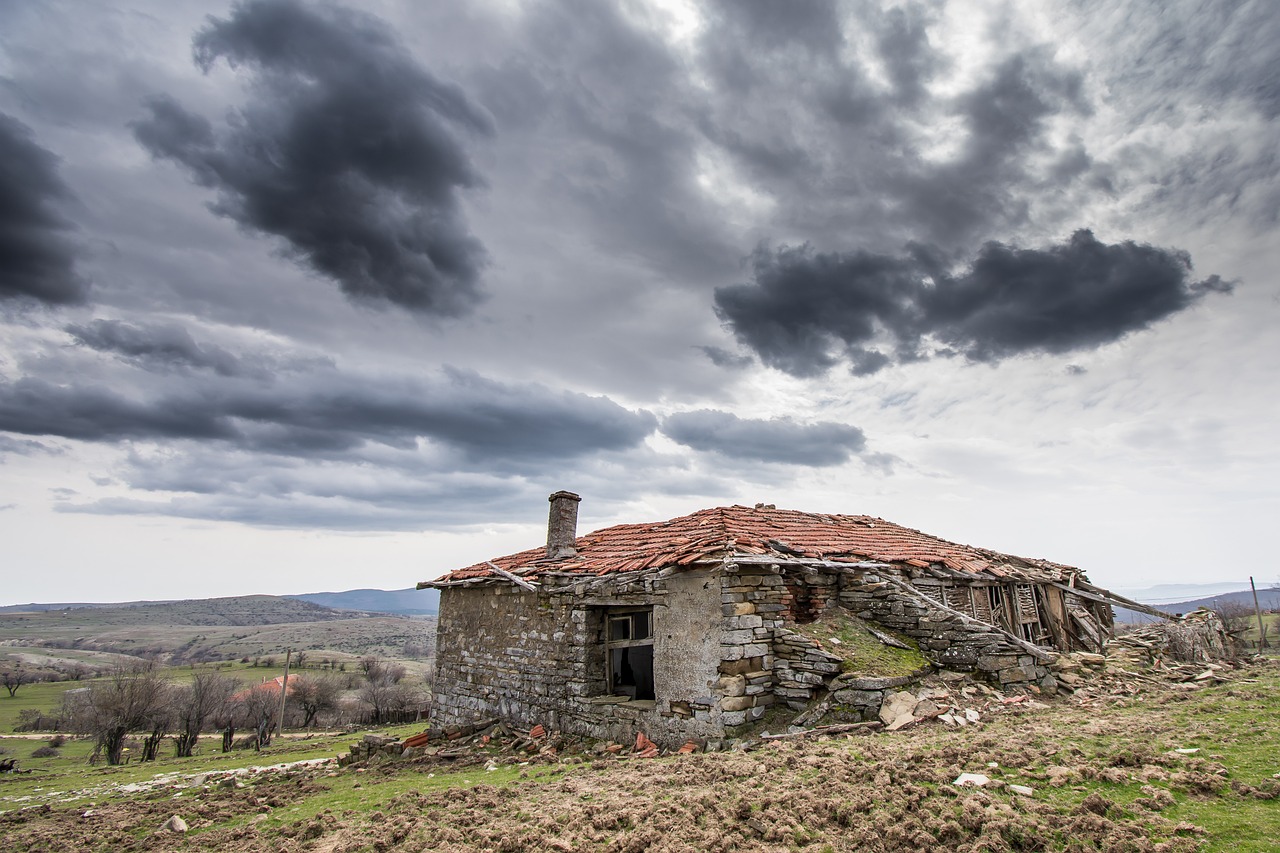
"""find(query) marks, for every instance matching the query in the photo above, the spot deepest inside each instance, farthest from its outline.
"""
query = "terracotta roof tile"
(715, 533)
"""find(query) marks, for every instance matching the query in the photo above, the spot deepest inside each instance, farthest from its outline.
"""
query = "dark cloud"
(774, 440)
(37, 260)
(834, 120)
(165, 346)
(479, 418)
(348, 150)
(598, 131)
(806, 311)
(721, 357)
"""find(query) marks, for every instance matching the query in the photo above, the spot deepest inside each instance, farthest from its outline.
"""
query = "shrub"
(45, 752)
(57, 741)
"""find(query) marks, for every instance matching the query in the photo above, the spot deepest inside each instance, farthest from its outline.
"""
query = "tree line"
(141, 702)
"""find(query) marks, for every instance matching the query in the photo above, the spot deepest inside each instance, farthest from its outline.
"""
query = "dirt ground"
(885, 792)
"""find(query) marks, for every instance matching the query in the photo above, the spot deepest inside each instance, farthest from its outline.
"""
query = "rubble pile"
(494, 740)
(1199, 637)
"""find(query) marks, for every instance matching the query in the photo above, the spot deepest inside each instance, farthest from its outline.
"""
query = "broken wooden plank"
(1106, 596)
(1039, 653)
(515, 579)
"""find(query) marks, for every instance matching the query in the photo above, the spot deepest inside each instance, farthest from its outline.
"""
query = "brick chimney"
(562, 525)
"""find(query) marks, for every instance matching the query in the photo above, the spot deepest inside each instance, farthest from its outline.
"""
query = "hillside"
(1268, 599)
(410, 602)
(208, 629)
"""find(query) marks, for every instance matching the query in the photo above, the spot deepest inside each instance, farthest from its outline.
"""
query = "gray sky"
(295, 296)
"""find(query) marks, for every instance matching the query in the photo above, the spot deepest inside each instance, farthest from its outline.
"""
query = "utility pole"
(1257, 611)
(284, 690)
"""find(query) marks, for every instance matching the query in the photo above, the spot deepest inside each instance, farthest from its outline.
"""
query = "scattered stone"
(175, 824)
(1021, 789)
(972, 780)
(901, 722)
(1060, 776)
(895, 705)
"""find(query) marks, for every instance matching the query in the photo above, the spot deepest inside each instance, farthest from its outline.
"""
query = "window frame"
(614, 615)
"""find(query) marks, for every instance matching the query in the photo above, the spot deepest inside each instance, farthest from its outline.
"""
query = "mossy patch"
(842, 633)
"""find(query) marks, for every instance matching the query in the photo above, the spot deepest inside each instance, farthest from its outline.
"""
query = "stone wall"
(721, 655)
(945, 638)
(539, 658)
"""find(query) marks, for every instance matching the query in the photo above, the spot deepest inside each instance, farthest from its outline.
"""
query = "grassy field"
(47, 696)
(1167, 769)
(385, 636)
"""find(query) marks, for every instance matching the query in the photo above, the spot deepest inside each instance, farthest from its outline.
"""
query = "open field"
(1105, 774)
(207, 629)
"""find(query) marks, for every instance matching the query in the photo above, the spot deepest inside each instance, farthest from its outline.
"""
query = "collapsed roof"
(724, 533)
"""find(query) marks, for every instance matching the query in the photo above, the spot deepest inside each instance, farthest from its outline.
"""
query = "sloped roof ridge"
(706, 533)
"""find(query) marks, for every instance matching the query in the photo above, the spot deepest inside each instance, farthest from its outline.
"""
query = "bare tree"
(14, 677)
(256, 709)
(203, 701)
(385, 698)
(314, 695)
(130, 699)
(381, 671)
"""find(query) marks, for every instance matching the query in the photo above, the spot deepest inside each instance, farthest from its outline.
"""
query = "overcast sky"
(300, 296)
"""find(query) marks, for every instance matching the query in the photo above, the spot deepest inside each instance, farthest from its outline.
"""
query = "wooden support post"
(284, 692)
(1257, 611)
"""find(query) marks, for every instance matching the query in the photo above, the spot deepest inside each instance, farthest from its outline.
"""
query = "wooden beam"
(1105, 596)
(515, 579)
(1034, 650)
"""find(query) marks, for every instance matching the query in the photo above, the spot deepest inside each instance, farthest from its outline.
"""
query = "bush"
(57, 741)
(45, 752)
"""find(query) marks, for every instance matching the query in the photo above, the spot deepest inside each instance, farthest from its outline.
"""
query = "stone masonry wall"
(721, 655)
(944, 638)
(539, 658)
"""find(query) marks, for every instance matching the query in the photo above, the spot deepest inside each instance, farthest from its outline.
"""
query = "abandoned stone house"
(695, 627)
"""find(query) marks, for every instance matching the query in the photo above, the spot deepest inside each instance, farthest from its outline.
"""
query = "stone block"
(732, 685)
(737, 703)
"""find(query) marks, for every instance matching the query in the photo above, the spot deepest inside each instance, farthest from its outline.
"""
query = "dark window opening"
(629, 642)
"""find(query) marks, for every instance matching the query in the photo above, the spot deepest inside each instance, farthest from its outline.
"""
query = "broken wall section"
(948, 639)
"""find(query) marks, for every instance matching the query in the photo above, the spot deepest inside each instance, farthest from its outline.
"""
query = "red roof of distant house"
(788, 534)
(272, 684)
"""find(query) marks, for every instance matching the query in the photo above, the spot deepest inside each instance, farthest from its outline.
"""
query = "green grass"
(863, 653)
(43, 696)
(46, 696)
(70, 772)
(1235, 727)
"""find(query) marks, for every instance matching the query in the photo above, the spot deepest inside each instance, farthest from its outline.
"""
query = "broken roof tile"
(724, 531)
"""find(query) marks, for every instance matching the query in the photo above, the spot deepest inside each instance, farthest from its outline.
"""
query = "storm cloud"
(347, 149)
(37, 260)
(773, 440)
(332, 414)
(807, 311)
(168, 346)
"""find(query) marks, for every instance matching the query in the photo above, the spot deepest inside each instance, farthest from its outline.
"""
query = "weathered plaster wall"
(686, 648)
(540, 658)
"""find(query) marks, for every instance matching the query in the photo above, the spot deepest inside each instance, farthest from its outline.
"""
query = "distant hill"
(409, 602)
(35, 607)
(237, 610)
(209, 629)
(1268, 599)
